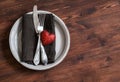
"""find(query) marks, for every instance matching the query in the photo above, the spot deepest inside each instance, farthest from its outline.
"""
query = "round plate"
(62, 42)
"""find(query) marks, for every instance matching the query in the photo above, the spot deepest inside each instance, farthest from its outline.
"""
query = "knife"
(36, 59)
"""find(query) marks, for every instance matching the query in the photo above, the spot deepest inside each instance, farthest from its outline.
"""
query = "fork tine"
(42, 19)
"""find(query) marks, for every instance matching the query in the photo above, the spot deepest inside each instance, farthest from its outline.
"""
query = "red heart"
(47, 38)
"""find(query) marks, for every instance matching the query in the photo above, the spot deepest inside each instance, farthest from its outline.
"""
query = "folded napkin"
(29, 38)
(49, 26)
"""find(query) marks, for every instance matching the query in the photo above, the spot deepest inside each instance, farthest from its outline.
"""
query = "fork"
(44, 59)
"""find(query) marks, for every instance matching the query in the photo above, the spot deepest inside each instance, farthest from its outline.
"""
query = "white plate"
(62, 43)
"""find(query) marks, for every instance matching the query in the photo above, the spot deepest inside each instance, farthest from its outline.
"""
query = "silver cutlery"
(39, 28)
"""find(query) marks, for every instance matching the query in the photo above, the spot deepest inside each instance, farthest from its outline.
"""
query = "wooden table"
(94, 54)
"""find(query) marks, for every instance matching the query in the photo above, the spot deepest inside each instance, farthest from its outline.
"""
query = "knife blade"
(35, 18)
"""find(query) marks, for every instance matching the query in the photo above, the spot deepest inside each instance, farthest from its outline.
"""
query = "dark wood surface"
(94, 54)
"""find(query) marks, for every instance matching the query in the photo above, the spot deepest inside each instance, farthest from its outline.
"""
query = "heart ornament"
(47, 38)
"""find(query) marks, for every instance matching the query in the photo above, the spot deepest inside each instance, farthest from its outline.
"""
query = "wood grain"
(94, 54)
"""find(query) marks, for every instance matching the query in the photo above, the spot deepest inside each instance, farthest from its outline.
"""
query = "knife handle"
(36, 59)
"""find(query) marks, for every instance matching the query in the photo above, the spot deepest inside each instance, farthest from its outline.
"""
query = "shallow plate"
(62, 42)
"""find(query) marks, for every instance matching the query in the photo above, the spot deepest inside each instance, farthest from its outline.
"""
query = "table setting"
(39, 40)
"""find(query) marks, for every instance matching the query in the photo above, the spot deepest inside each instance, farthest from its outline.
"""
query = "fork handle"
(44, 58)
(36, 59)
